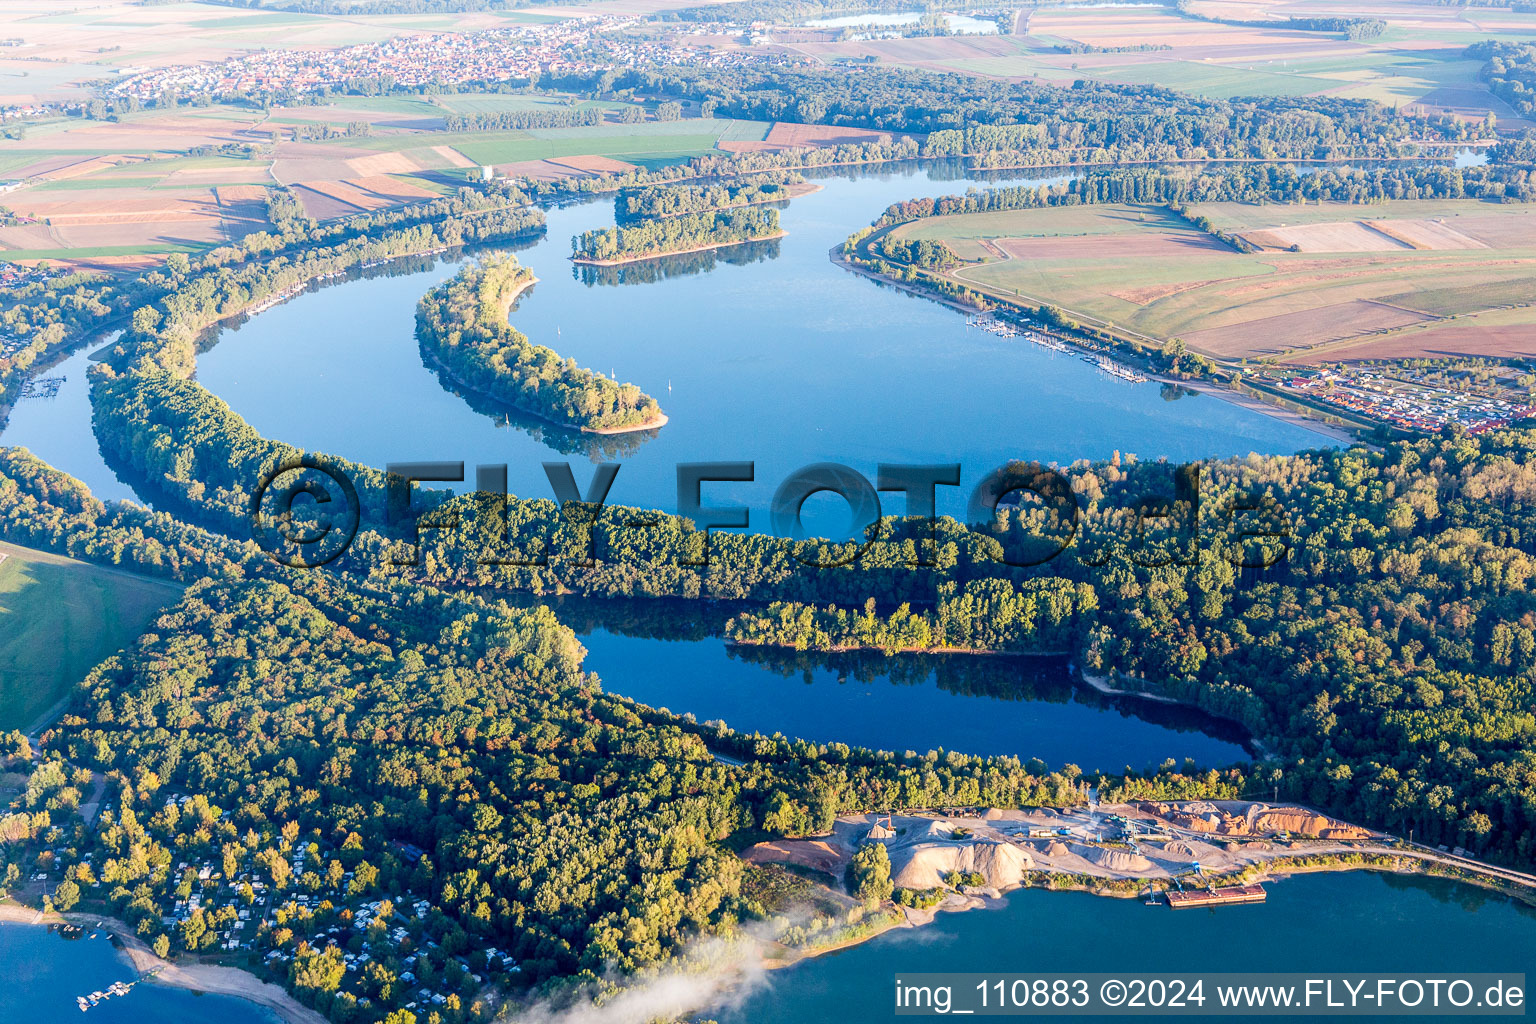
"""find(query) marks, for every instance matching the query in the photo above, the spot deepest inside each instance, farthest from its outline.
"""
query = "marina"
(1008, 329)
(42, 387)
(1117, 370)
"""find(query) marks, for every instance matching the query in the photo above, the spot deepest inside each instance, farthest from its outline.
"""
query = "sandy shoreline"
(194, 977)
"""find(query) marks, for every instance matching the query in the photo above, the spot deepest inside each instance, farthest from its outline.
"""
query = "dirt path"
(92, 803)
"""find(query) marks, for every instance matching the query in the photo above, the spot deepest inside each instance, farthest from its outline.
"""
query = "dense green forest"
(462, 324)
(446, 752)
(1089, 123)
(511, 120)
(1035, 616)
(674, 200)
(1510, 72)
(663, 235)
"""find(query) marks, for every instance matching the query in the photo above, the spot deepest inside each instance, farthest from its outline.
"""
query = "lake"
(770, 354)
(1026, 707)
(1326, 923)
(44, 972)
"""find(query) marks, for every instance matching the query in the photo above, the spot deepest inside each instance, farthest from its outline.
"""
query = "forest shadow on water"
(672, 654)
(663, 268)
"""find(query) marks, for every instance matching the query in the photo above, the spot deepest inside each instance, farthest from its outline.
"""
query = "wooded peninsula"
(462, 325)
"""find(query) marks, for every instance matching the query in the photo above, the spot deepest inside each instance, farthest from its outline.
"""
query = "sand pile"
(1057, 849)
(924, 866)
(993, 814)
(1114, 860)
(1178, 849)
(1307, 823)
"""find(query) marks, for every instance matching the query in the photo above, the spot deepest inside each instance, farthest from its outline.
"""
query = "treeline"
(1276, 183)
(506, 120)
(1088, 123)
(673, 200)
(1073, 46)
(1357, 29)
(1510, 71)
(1520, 149)
(47, 317)
(164, 335)
(724, 165)
(321, 132)
(1035, 616)
(917, 252)
(462, 324)
(675, 234)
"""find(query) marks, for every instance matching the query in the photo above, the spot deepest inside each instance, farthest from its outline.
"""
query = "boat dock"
(1008, 329)
(42, 387)
(1115, 369)
(117, 988)
(1216, 896)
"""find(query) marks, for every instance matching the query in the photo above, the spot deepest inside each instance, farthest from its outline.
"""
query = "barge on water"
(1216, 896)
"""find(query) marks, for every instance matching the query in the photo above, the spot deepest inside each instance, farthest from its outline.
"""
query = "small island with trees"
(676, 200)
(666, 236)
(462, 326)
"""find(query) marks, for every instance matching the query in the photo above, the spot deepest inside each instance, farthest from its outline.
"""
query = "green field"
(496, 103)
(512, 147)
(1219, 81)
(58, 618)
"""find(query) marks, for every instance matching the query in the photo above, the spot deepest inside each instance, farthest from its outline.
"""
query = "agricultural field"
(1417, 61)
(1331, 281)
(58, 618)
(114, 194)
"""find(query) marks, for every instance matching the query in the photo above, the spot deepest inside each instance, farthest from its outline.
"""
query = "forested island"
(990, 616)
(462, 325)
(667, 235)
(676, 200)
